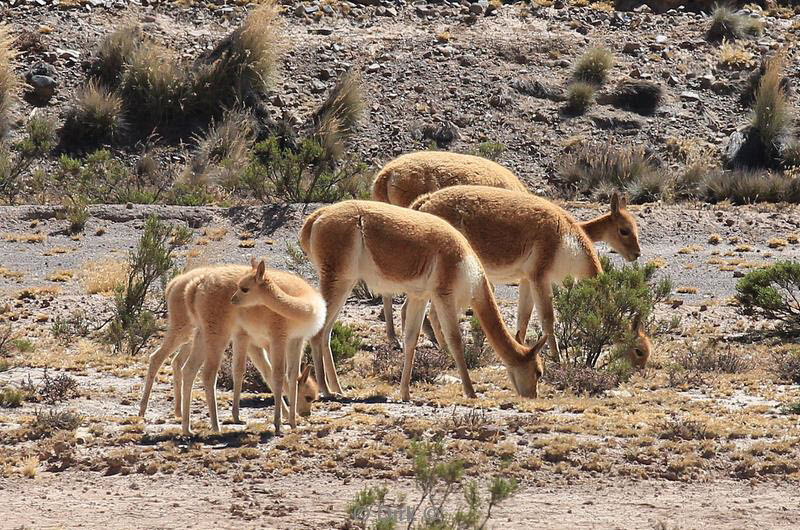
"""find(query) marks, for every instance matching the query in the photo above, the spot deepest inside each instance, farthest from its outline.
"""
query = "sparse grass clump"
(46, 424)
(597, 169)
(241, 67)
(580, 96)
(727, 24)
(772, 115)
(429, 364)
(222, 151)
(154, 86)
(710, 357)
(491, 150)
(734, 55)
(772, 293)
(114, 52)
(785, 365)
(68, 328)
(593, 66)
(637, 95)
(11, 397)
(595, 313)
(96, 117)
(8, 78)
(581, 379)
(39, 139)
(744, 186)
(104, 277)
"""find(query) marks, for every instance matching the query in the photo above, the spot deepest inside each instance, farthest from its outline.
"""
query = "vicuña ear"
(615, 202)
(536, 348)
(623, 201)
(636, 324)
(253, 262)
(260, 271)
(304, 376)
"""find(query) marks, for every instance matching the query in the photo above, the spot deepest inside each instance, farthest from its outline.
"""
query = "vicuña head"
(252, 288)
(639, 353)
(617, 228)
(307, 392)
(525, 376)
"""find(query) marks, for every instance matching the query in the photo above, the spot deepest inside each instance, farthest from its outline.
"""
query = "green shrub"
(8, 78)
(437, 479)
(596, 169)
(37, 142)
(96, 117)
(584, 379)
(580, 96)
(491, 150)
(150, 265)
(115, 51)
(593, 66)
(727, 24)
(301, 176)
(772, 293)
(68, 328)
(596, 313)
(709, 357)
(46, 424)
(344, 342)
(77, 212)
(429, 364)
(11, 397)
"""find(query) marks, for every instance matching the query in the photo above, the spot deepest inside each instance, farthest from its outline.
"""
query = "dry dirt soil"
(701, 448)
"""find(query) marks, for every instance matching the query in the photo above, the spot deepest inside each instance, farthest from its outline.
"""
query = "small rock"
(631, 48)
(688, 95)
(476, 9)
(661, 39)
(374, 67)
(706, 81)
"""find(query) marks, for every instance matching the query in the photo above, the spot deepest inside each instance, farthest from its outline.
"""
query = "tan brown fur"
(394, 249)
(408, 176)
(521, 237)
(205, 311)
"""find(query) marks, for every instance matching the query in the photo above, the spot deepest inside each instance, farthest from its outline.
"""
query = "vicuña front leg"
(448, 319)
(177, 375)
(278, 355)
(295, 352)
(415, 310)
(260, 360)
(174, 339)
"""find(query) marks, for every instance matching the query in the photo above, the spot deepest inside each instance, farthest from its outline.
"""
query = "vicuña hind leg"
(437, 327)
(388, 316)
(295, 352)
(427, 327)
(335, 294)
(448, 319)
(177, 335)
(524, 309)
(177, 375)
(543, 298)
(260, 360)
(207, 349)
(415, 310)
(241, 343)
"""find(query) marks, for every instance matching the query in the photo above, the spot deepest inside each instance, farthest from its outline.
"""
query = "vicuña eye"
(245, 289)
(309, 399)
(638, 352)
(624, 232)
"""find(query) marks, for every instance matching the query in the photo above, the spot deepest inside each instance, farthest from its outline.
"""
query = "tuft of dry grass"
(593, 66)
(597, 169)
(154, 84)
(241, 66)
(734, 55)
(8, 78)
(61, 276)
(637, 95)
(215, 233)
(222, 151)
(247, 243)
(97, 116)
(11, 275)
(30, 467)
(772, 114)
(334, 122)
(25, 238)
(580, 96)
(103, 277)
(686, 290)
(726, 24)
(777, 242)
(114, 52)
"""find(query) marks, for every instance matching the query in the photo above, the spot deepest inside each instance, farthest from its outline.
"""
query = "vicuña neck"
(597, 228)
(509, 350)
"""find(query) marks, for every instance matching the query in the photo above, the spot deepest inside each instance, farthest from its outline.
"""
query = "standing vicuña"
(395, 249)
(408, 176)
(271, 309)
(522, 237)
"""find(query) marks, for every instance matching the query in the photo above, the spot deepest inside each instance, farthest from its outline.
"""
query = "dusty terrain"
(715, 449)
